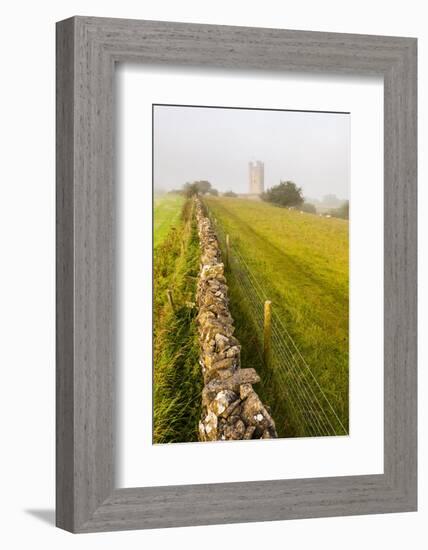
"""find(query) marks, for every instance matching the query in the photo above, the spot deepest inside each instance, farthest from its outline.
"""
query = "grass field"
(166, 213)
(177, 380)
(301, 260)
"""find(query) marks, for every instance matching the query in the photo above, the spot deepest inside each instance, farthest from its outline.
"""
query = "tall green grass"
(302, 263)
(177, 379)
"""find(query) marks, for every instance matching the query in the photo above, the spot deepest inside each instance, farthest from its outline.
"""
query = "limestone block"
(231, 409)
(222, 401)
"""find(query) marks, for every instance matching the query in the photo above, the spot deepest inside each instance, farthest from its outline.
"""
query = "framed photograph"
(236, 274)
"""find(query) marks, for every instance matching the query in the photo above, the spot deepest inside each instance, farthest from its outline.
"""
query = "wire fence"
(310, 411)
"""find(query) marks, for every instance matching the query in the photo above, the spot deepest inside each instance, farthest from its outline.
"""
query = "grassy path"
(301, 260)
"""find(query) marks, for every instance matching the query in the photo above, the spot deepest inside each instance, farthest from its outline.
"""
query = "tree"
(229, 194)
(308, 207)
(285, 194)
(198, 187)
(190, 189)
(341, 212)
(204, 186)
(344, 210)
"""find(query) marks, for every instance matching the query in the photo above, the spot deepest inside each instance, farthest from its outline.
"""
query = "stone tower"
(257, 177)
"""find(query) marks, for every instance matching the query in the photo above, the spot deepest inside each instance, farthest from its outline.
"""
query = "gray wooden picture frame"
(87, 50)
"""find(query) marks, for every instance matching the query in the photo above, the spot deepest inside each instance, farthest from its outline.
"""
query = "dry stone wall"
(231, 409)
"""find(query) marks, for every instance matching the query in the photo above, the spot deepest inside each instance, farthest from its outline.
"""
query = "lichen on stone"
(231, 409)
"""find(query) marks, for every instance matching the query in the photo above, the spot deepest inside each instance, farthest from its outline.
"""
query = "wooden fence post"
(227, 259)
(170, 299)
(267, 333)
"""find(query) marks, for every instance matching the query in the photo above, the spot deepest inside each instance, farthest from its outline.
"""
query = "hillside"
(299, 262)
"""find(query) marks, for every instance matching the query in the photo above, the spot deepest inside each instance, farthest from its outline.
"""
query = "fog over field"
(194, 143)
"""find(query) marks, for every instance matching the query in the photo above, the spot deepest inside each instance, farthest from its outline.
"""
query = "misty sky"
(196, 143)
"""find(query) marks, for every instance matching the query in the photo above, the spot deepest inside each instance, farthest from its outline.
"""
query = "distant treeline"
(341, 212)
(201, 187)
(286, 194)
